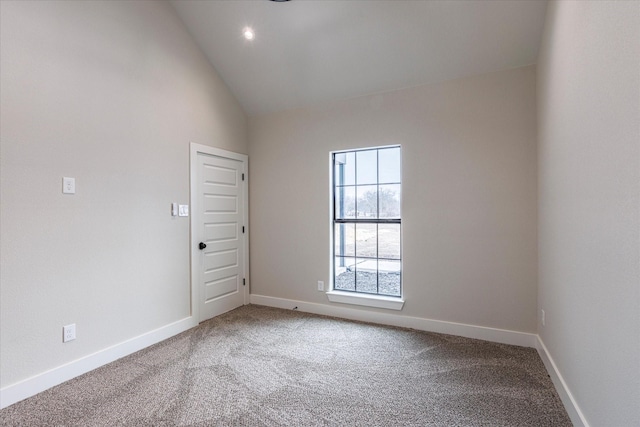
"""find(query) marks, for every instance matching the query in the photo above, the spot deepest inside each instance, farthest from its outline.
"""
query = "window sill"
(377, 301)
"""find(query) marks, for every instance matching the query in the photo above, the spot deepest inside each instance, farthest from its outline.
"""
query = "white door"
(218, 230)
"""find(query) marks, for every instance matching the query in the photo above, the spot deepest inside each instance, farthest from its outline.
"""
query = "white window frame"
(349, 297)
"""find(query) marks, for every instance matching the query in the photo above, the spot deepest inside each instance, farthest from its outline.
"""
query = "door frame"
(194, 239)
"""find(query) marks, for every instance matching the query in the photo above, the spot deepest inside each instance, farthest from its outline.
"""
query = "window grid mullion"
(377, 260)
(355, 227)
(369, 221)
(377, 217)
(353, 185)
(355, 256)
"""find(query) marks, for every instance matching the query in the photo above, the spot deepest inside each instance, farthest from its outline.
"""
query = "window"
(367, 222)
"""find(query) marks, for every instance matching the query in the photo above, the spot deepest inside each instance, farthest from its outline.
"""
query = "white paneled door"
(218, 230)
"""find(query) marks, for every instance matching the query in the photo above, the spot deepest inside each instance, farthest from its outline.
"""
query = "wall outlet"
(68, 185)
(69, 333)
(542, 319)
(320, 286)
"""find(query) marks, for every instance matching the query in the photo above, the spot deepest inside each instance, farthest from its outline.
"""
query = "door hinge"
(243, 229)
(244, 282)
(243, 177)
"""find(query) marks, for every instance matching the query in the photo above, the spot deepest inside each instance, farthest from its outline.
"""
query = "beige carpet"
(259, 366)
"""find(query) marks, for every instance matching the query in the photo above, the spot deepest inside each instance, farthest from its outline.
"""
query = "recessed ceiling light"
(248, 33)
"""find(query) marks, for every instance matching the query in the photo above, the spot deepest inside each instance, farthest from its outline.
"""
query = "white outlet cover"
(320, 285)
(68, 185)
(69, 333)
(183, 210)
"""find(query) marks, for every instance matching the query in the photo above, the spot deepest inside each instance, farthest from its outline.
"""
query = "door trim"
(218, 152)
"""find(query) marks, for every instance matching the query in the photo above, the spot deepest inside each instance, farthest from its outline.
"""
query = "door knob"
(202, 245)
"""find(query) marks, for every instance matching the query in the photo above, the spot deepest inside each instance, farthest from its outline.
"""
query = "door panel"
(213, 174)
(218, 232)
(216, 261)
(218, 204)
(216, 288)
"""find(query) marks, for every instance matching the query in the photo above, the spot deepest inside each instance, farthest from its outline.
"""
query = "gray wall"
(469, 196)
(589, 204)
(110, 93)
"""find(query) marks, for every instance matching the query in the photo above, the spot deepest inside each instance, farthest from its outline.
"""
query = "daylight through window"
(367, 221)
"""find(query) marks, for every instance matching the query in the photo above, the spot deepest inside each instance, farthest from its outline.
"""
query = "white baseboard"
(470, 331)
(41, 382)
(577, 417)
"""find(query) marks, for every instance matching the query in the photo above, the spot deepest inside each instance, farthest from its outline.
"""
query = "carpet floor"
(260, 366)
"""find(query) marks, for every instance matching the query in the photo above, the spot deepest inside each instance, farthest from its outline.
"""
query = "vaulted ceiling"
(313, 51)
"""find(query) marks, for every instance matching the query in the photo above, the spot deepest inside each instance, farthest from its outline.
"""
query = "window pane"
(389, 165)
(345, 238)
(367, 167)
(345, 202)
(366, 240)
(366, 276)
(389, 241)
(389, 199)
(345, 168)
(367, 201)
(345, 279)
(389, 277)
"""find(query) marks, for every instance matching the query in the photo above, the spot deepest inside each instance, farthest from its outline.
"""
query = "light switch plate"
(68, 185)
(174, 209)
(183, 210)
